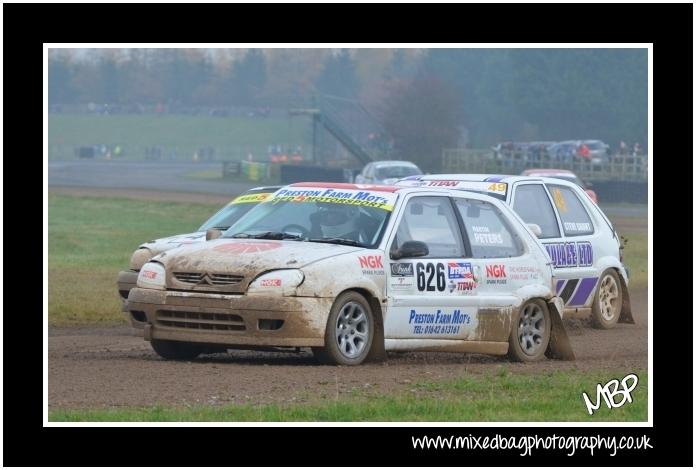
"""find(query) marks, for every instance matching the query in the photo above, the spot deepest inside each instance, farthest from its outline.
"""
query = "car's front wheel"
(606, 306)
(176, 350)
(530, 332)
(349, 331)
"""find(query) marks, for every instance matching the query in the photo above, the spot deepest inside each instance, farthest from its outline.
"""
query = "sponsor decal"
(523, 273)
(402, 283)
(441, 322)
(460, 270)
(465, 287)
(149, 274)
(246, 198)
(483, 236)
(570, 254)
(370, 261)
(402, 269)
(247, 247)
(371, 265)
(495, 274)
(443, 183)
(367, 198)
(271, 282)
(577, 226)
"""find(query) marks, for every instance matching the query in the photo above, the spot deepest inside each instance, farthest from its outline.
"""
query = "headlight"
(152, 276)
(140, 257)
(280, 282)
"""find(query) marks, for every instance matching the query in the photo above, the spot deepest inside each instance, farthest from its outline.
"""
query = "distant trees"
(422, 117)
(338, 76)
(498, 94)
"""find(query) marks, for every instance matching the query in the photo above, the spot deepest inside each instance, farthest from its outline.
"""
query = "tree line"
(426, 98)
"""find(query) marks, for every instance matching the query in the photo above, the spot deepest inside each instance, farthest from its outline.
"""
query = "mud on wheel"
(349, 331)
(608, 300)
(530, 332)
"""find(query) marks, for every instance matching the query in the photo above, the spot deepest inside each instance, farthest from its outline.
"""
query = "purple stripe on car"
(583, 291)
(494, 179)
(559, 286)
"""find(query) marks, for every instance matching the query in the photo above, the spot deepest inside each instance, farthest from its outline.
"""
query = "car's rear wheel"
(349, 331)
(176, 350)
(606, 306)
(530, 332)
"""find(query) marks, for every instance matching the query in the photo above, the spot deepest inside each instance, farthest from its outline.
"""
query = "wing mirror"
(212, 234)
(410, 249)
(536, 230)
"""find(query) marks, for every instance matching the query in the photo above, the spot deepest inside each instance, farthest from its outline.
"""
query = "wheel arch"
(377, 350)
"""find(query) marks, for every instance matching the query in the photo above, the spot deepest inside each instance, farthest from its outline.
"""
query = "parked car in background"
(386, 172)
(221, 221)
(594, 151)
(566, 175)
(355, 270)
(565, 151)
(587, 252)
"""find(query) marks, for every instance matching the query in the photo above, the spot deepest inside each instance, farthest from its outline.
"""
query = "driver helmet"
(338, 221)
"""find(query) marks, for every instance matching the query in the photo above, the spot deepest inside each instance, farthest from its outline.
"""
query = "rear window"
(533, 206)
(576, 221)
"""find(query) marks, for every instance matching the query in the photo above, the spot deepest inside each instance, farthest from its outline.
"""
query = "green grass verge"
(90, 239)
(237, 136)
(636, 259)
(497, 396)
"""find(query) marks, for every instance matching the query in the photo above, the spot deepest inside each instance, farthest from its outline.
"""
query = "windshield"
(229, 214)
(396, 171)
(349, 217)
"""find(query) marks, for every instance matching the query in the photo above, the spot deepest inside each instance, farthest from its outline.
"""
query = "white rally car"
(585, 249)
(354, 270)
(221, 220)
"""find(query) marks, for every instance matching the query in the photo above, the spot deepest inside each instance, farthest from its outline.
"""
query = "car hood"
(163, 244)
(245, 259)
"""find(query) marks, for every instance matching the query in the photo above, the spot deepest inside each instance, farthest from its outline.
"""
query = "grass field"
(636, 258)
(235, 137)
(90, 239)
(497, 396)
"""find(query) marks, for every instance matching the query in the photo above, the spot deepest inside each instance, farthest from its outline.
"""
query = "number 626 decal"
(429, 272)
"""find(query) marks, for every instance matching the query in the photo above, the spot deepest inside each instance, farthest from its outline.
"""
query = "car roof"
(393, 163)
(396, 189)
(546, 172)
(478, 178)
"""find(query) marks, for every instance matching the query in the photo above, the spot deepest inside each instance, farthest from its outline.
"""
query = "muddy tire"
(350, 330)
(530, 332)
(606, 306)
(176, 350)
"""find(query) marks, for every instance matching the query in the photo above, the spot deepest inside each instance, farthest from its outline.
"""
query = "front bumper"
(127, 280)
(231, 320)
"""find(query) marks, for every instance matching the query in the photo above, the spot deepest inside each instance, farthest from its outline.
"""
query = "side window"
(533, 206)
(431, 220)
(576, 220)
(490, 235)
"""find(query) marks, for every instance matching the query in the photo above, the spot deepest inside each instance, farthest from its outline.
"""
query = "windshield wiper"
(269, 235)
(339, 241)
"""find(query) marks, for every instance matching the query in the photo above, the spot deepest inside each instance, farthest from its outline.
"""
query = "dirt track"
(110, 366)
